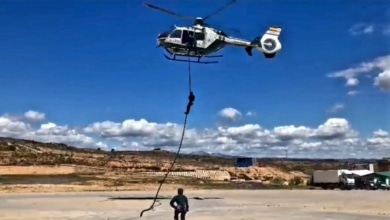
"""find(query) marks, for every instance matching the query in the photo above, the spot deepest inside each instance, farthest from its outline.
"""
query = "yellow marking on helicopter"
(275, 29)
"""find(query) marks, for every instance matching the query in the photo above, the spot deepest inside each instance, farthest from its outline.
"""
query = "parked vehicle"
(331, 179)
(377, 184)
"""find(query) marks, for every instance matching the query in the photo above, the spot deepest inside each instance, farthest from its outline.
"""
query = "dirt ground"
(71, 178)
(232, 204)
(36, 170)
(66, 192)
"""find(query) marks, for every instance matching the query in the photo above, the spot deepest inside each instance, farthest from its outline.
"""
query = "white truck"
(331, 179)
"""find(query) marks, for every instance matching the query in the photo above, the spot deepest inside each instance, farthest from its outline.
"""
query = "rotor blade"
(167, 11)
(234, 30)
(219, 27)
(220, 9)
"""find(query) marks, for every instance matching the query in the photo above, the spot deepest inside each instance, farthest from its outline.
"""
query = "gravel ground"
(236, 204)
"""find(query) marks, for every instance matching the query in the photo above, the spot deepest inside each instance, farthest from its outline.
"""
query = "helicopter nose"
(162, 36)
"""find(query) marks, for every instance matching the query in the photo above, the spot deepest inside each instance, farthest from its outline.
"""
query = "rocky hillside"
(25, 152)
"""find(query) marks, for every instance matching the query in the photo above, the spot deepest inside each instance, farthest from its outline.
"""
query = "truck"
(331, 179)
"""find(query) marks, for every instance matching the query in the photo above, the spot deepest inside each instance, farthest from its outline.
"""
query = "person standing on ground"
(181, 207)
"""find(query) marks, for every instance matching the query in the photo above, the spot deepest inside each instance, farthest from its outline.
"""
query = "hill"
(22, 161)
(27, 152)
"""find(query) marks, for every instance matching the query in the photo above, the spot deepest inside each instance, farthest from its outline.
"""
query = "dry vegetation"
(28, 164)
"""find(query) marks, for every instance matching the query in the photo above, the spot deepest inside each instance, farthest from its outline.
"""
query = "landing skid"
(173, 58)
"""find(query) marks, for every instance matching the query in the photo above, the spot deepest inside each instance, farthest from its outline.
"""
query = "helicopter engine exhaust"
(269, 44)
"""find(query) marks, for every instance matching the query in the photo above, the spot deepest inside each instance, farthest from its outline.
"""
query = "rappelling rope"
(181, 140)
(189, 76)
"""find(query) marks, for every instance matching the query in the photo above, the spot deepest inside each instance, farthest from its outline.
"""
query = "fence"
(199, 174)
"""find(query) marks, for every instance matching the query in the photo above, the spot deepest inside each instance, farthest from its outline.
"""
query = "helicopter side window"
(199, 36)
(175, 34)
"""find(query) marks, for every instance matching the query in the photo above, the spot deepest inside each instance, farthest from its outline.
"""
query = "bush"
(296, 181)
(277, 181)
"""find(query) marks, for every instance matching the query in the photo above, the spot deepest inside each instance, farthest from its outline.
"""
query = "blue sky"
(81, 62)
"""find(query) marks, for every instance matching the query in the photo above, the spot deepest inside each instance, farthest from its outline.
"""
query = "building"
(383, 165)
(384, 177)
(364, 166)
(245, 162)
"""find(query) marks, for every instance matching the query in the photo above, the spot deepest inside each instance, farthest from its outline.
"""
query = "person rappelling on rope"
(191, 99)
(181, 207)
(181, 200)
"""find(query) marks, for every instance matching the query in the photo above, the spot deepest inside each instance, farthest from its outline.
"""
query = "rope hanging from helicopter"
(191, 99)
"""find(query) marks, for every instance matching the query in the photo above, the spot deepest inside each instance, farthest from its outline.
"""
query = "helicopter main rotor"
(197, 20)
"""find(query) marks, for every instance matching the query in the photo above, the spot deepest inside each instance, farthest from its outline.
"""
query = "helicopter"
(201, 40)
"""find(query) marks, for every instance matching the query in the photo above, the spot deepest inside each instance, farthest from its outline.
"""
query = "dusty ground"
(37, 170)
(245, 205)
(73, 178)
(254, 173)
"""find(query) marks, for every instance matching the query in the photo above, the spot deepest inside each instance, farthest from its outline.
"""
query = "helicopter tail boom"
(269, 44)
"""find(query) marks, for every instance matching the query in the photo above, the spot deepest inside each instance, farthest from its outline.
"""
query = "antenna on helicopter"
(197, 20)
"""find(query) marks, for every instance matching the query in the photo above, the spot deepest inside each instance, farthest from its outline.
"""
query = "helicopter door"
(185, 39)
(200, 39)
(195, 38)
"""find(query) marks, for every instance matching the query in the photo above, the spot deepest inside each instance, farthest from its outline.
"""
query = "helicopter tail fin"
(269, 43)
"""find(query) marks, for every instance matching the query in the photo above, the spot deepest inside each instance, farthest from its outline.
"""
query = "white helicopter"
(201, 40)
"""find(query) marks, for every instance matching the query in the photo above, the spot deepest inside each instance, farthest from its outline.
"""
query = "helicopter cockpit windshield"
(163, 35)
(176, 33)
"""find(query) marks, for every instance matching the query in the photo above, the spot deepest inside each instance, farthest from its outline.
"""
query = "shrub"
(296, 181)
(277, 181)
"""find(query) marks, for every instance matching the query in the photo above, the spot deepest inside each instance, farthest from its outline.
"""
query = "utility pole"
(285, 157)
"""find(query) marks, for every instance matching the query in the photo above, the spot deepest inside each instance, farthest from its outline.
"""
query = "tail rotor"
(269, 44)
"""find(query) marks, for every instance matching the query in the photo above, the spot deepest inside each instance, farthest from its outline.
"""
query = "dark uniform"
(191, 99)
(191, 42)
(181, 206)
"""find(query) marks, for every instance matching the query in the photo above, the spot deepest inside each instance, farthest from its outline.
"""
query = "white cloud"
(230, 114)
(383, 80)
(353, 92)
(49, 132)
(34, 115)
(333, 138)
(369, 28)
(352, 82)
(250, 114)
(379, 67)
(336, 108)
(11, 127)
(335, 128)
(381, 133)
(362, 28)
(380, 140)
